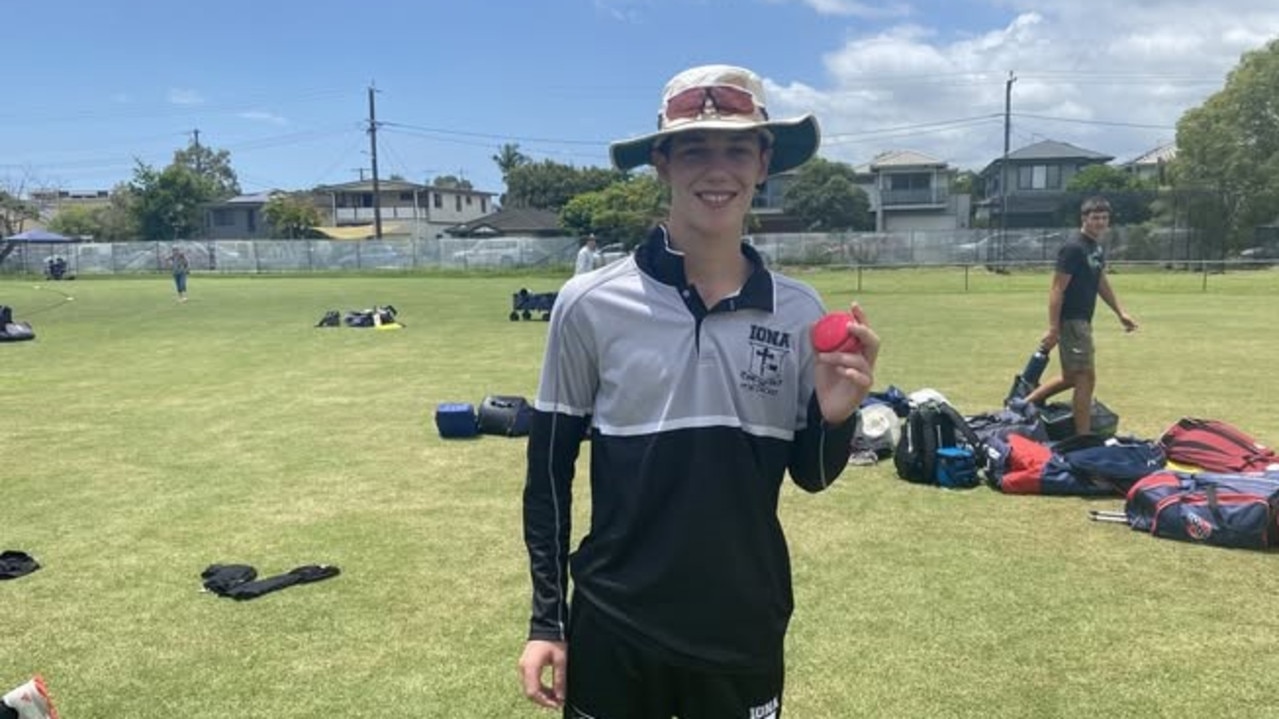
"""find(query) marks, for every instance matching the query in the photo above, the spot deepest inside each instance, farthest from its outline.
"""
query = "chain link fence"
(1171, 248)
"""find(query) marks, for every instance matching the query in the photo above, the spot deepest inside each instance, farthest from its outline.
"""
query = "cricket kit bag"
(11, 330)
(1092, 466)
(332, 318)
(1014, 463)
(1216, 446)
(507, 416)
(1224, 510)
(1001, 423)
(932, 426)
(1058, 419)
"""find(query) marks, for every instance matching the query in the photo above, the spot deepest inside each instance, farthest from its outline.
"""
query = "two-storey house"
(429, 209)
(909, 191)
(1029, 189)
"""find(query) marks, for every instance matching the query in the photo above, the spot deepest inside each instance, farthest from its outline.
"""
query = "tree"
(622, 212)
(117, 221)
(169, 204)
(509, 157)
(1228, 148)
(451, 182)
(213, 165)
(291, 216)
(825, 197)
(14, 212)
(550, 185)
(1130, 197)
(76, 221)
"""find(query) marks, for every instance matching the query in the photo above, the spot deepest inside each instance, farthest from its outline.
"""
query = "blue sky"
(283, 85)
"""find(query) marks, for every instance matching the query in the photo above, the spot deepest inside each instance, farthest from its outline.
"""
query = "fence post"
(965, 278)
(859, 278)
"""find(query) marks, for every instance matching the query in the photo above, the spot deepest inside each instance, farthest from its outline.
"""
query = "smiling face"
(712, 176)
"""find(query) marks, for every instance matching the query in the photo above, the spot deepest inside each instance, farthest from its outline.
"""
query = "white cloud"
(1079, 65)
(263, 116)
(179, 96)
(620, 10)
(858, 9)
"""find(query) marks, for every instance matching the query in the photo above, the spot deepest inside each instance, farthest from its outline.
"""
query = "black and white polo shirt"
(695, 415)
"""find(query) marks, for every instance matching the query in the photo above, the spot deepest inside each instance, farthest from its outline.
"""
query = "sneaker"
(31, 701)
(1022, 406)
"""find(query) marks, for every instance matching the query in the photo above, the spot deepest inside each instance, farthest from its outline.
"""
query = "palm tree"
(509, 157)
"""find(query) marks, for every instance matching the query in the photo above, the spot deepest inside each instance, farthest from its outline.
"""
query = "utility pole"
(195, 134)
(377, 195)
(1003, 166)
(359, 170)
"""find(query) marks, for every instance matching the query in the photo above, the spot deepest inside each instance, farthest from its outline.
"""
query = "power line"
(506, 138)
(1108, 123)
(838, 138)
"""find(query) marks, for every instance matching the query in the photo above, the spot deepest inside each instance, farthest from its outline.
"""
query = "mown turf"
(144, 440)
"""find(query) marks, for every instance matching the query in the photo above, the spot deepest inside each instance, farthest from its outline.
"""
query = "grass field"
(142, 440)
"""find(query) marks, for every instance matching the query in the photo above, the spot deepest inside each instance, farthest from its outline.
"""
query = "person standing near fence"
(181, 267)
(1078, 280)
(690, 365)
(588, 258)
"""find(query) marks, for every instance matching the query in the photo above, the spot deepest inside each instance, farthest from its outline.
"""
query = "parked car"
(1261, 255)
(372, 256)
(1013, 247)
(612, 252)
(495, 252)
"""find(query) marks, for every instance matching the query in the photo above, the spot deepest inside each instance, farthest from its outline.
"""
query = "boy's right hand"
(539, 654)
(1051, 337)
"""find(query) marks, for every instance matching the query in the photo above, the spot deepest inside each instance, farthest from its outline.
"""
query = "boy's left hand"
(842, 380)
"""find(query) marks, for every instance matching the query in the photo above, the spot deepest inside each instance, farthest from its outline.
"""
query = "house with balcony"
(1030, 189)
(909, 190)
(426, 209)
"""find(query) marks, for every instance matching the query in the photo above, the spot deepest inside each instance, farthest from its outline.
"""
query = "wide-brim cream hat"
(721, 97)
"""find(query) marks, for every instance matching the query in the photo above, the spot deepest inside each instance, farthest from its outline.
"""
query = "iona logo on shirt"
(768, 351)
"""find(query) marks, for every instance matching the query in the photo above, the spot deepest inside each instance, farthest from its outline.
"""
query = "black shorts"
(610, 678)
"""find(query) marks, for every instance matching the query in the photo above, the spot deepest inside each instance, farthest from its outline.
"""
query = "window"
(406, 197)
(437, 200)
(458, 201)
(251, 216)
(484, 205)
(1039, 177)
(223, 218)
(468, 200)
(366, 199)
(910, 181)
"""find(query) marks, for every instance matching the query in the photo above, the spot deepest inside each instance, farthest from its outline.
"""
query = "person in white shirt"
(587, 257)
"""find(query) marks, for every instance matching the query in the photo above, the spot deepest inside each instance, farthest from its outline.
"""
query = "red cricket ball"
(830, 334)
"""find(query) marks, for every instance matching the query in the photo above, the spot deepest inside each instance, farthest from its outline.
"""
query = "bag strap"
(960, 424)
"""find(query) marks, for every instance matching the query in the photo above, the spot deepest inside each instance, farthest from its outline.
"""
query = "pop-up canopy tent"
(39, 236)
(32, 237)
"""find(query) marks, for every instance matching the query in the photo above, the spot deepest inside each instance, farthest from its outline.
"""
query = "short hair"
(1094, 204)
